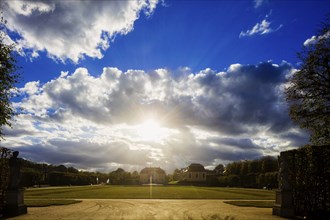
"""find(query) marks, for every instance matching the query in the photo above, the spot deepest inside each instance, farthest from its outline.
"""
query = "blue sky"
(129, 84)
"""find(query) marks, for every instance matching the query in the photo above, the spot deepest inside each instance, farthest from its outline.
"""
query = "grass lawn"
(147, 192)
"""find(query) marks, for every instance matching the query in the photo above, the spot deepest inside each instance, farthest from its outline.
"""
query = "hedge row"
(251, 180)
(310, 179)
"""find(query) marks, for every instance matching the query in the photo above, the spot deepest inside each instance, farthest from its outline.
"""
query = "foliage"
(4, 174)
(219, 169)
(310, 178)
(8, 78)
(178, 174)
(31, 177)
(251, 173)
(309, 90)
(35, 174)
(121, 177)
(65, 179)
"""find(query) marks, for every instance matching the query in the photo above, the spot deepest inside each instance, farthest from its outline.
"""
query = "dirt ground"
(140, 209)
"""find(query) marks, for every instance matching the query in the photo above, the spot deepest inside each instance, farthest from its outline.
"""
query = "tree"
(219, 169)
(244, 168)
(178, 174)
(8, 77)
(61, 168)
(254, 166)
(308, 92)
(269, 164)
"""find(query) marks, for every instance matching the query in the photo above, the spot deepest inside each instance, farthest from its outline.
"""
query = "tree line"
(36, 174)
(249, 173)
(256, 173)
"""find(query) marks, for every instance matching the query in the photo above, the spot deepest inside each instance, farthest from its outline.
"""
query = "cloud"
(95, 121)
(85, 155)
(258, 3)
(314, 39)
(72, 29)
(261, 28)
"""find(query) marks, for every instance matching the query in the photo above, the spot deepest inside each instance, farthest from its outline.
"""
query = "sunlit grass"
(143, 192)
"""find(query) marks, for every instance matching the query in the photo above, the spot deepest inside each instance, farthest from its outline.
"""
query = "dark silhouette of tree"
(244, 168)
(61, 168)
(254, 166)
(8, 77)
(219, 169)
(308, 92)
(268, 164)
(73, 170)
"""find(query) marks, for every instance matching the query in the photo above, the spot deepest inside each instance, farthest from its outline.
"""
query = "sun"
(150, 130)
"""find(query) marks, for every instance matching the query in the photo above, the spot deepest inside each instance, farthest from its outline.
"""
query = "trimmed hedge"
(251, 180)
(310, 179)
(5, 154)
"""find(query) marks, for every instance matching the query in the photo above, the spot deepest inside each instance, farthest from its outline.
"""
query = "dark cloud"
(243, 143)
(18, 132)
(244, 97)
(84, 154)
(296, 138)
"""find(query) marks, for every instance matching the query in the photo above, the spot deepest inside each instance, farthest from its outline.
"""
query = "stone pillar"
(284, 195)
(15, 203)
(14, 200)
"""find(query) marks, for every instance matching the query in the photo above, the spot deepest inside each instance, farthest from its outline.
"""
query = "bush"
(234, 181)
(223, 181)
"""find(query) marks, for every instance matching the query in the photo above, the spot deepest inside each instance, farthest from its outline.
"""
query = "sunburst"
(150, 130)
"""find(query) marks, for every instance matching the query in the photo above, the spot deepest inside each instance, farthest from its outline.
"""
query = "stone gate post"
(284, 195)
(14, 194)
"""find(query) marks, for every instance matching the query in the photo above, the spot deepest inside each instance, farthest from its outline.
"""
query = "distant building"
(195, 172)
(154, 174)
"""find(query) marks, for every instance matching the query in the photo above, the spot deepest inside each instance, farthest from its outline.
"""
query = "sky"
(130, 84)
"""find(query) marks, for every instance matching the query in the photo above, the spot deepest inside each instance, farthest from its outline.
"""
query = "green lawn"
(146, 192)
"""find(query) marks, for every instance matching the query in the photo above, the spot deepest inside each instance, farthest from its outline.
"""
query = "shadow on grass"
(49, 202)
(257, 204)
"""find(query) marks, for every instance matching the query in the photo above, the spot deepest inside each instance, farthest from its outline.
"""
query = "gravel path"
(140, 209)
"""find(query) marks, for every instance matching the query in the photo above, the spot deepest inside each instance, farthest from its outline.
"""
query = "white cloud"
(6, 39)
(95, 121)
(234, 67)
(314, 39)
(72, 29)
(30, 88)
(262, 28)
(258, 3)
(310, 41)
